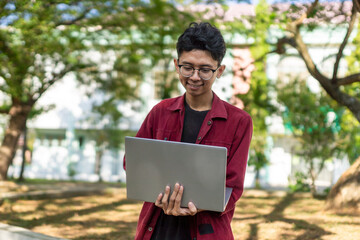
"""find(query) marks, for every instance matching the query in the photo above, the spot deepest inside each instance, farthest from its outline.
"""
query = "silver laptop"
(152, 164)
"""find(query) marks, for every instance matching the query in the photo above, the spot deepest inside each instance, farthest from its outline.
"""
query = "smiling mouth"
(195, 85)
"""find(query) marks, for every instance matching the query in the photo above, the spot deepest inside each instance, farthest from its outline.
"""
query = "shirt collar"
(218, 109)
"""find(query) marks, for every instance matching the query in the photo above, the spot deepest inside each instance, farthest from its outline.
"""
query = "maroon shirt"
(225, 126)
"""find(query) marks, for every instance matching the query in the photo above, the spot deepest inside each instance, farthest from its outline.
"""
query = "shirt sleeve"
(236, 168)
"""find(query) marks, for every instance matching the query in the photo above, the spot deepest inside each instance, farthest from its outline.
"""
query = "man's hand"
(172, 206)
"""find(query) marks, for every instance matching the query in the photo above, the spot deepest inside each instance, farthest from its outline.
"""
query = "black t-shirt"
(192, 124)
(171, 227)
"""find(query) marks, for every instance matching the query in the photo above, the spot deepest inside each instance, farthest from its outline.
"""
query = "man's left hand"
(172, 206)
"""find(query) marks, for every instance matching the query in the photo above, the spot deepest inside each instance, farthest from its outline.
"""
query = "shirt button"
(209, 123)
(150, 229)
(199, 138)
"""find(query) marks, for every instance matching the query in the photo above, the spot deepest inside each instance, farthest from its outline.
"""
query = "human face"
(194, 85)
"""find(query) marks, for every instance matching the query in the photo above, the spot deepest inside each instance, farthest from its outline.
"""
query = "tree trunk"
(18, 113)
(346, 192)
(312, 185)
(257, 179)
(312, 176)
(21, 176)
(98, 157)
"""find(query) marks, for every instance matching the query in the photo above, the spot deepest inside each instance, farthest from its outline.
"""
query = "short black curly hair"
(202, 36)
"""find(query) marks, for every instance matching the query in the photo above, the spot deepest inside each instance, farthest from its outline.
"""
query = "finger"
(158, 200)
(179, 197)
(172, 199)
(192, 208)
(184, 212)
(164, 200)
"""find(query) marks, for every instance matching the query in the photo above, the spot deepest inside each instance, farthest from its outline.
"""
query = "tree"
(26, 150)
(314, 121)
(257, 102)
(42, 41)
(339, 88)
(333, 84)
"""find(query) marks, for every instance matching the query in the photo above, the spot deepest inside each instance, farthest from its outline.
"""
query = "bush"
(300, 183)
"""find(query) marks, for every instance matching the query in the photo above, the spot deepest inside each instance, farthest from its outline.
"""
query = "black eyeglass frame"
(181, 65)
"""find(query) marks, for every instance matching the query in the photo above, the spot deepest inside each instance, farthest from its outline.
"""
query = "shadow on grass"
(253, 231)
(119, 229)
(311, 231)
(124, 231)
(68, 214)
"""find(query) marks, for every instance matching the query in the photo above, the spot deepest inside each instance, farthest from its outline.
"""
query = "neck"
(199, 103)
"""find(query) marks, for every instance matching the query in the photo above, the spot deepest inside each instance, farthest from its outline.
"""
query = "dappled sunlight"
(86, 217)
(100, 231)
(290, 216)
(244, 229)
(310, 204)
(277, 230)
(343, 230)
(130, 208)
(61, 230)
(259, 215)
(21, 207)
(254, 205)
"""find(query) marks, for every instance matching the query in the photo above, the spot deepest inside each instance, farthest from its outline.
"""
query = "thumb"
(192, 208)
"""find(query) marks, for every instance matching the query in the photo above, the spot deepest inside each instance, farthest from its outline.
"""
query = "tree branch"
(2, 5)
(301, 19)
(356, 3)
(310, 65)
(352, 103)
(348, 80)
(80, 17)
(4, 111)
(280, 48)
(4, 47)
(48, 84)
(295, 40)
(343, 44)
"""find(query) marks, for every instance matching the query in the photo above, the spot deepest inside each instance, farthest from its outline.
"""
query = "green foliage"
(314, 119)
(40, 35)
(354, 57)
(36, 111)
(316, 122)
(349, 124)
(350, 135)
(257, 101)
(107, 43)
(109, 138)
(300, 184)
(71, 167)
(31, 43)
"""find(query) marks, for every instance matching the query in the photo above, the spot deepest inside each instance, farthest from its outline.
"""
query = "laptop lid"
(152, 164)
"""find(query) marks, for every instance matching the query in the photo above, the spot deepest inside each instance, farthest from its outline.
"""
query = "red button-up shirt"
(225, 126)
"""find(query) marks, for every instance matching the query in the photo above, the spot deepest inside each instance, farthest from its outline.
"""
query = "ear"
(176, 65)
(220, 71)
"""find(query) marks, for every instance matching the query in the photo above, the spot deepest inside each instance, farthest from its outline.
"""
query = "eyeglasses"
(204, 73)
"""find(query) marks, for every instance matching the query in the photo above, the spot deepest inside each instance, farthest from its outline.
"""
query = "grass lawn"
(259, 215)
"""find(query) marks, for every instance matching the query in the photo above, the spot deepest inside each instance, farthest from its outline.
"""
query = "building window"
(81, 142)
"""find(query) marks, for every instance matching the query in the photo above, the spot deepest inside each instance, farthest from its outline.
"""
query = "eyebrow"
(203, 65)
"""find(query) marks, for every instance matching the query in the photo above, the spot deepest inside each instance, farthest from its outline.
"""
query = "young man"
(198, 117)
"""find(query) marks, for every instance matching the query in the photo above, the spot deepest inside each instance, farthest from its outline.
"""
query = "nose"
(196, 75)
